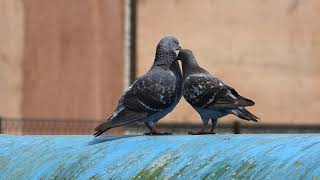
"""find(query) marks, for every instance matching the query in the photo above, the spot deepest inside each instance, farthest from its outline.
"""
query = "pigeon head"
(169, 43)
(167, 51)
(185, 55)
(189, 62)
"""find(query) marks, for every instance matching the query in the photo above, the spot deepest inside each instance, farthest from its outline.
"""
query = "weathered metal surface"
(176, 157)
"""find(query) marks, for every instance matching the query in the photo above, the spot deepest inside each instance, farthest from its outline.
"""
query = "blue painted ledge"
(147, 157)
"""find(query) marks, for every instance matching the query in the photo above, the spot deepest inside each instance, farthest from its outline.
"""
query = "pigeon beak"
(178, 58)
(177, 50)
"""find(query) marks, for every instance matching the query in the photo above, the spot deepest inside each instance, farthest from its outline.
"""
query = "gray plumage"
(154, 94)
(209, 96)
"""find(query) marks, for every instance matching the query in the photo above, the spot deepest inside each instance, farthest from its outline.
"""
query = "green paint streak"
(153, 172)
(181, 171)
(206, 161)
(131, 161)
(96, 177)
(243, 172)
(3, 162)
(315, 178)
(221, 169)
(149, 174)
(298, 164)
(71, 171)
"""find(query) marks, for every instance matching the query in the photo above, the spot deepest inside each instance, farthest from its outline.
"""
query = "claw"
(201, 133)
(156, 133)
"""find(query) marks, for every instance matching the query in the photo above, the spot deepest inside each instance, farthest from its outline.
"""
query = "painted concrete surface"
(164, 157)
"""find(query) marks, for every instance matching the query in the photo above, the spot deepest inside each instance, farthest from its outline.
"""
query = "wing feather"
(204, 90)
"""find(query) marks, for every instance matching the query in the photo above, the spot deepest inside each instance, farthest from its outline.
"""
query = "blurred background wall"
(64, 61)
(267, 50)
(60, 59)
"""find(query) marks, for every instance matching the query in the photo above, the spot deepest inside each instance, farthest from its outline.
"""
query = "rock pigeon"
(153, 95)
(209, 96)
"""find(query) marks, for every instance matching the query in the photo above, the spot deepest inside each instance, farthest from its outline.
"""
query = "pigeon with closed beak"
(153, 95)
(209, 96)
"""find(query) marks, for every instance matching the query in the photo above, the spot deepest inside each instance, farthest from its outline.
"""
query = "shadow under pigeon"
(101, 139)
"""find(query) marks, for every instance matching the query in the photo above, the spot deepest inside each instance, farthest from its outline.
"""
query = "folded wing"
(151, 93)
(204, 90)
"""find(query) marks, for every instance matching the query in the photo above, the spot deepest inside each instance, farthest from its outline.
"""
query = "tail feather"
(239, 102)
(245, 101)
(123, 117)
(102, 127)
(243, 113)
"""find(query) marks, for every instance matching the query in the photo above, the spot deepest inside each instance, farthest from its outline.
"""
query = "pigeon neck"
(164, 59)
(189, 65)
(175, 67)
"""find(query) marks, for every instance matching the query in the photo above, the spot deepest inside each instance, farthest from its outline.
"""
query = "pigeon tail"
(103, 127)
(245, 101)
(239, 102)
(123, 117)
(243, 113)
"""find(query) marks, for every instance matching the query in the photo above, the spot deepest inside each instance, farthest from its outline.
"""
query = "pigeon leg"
(202, 130)
(214, 125)
(154, 131)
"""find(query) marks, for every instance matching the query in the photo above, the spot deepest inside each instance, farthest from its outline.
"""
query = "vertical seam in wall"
(22, 65)
(127, 45)
(133, 42)
(96, 24)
